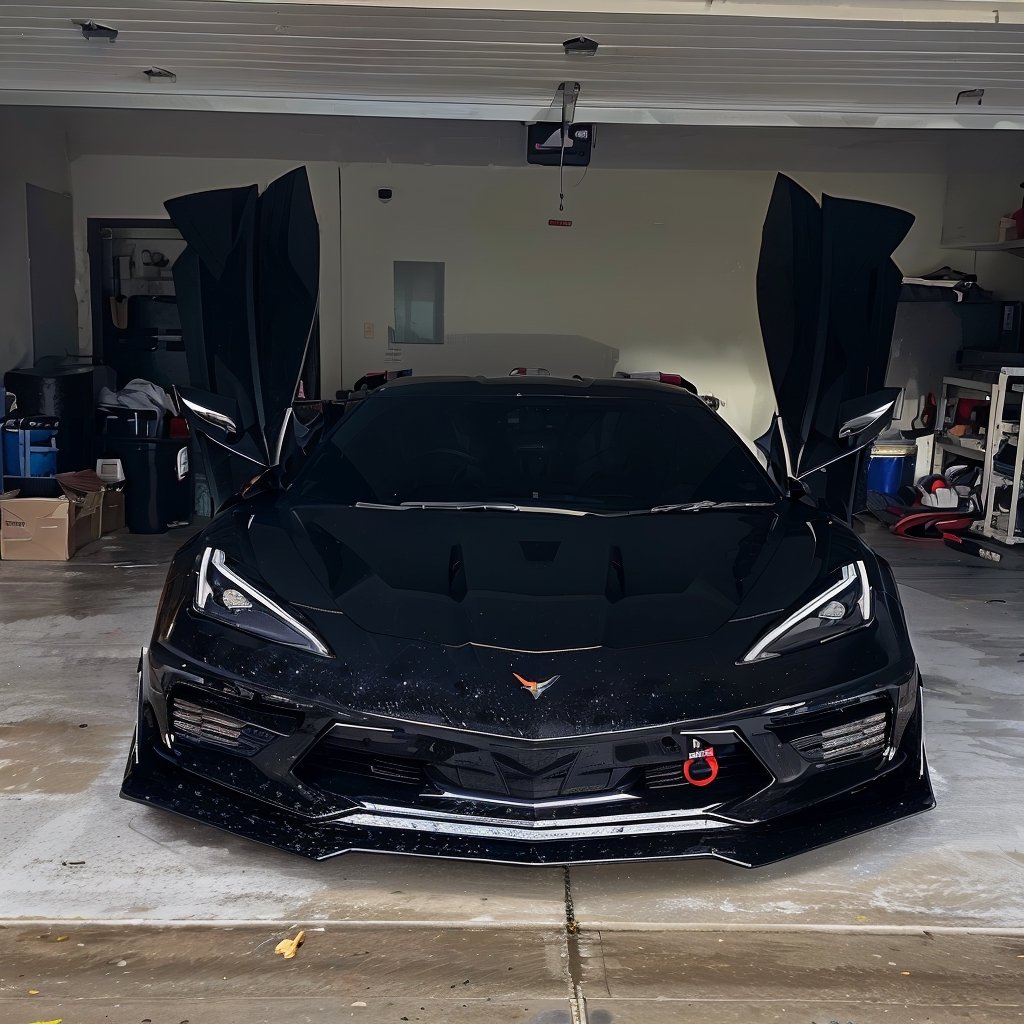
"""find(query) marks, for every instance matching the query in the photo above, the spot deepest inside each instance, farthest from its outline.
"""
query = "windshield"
(580, 452)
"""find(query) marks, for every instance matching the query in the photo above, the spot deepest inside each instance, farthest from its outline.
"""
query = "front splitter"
(152, 779)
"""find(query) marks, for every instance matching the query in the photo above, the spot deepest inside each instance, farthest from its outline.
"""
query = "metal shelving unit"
(1004, 391)
(961, 451)
(1004, 424)
(1014, 247)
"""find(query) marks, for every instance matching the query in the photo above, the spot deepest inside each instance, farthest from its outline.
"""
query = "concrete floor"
(91, 975)
(76, 860)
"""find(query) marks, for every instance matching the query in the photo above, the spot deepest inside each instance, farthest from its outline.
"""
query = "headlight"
(844, 605)
(225, 596)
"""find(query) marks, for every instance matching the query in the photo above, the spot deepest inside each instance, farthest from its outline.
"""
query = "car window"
(581, 452)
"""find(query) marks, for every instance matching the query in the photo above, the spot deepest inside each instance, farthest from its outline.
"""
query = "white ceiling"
(376, 58)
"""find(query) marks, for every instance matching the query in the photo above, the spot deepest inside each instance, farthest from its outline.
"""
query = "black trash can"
(158, 481)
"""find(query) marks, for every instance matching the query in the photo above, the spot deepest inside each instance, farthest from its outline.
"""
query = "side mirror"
(213, 415)
(861, 420)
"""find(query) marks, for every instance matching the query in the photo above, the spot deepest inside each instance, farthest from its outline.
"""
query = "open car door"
(827, 290)
(247, 286)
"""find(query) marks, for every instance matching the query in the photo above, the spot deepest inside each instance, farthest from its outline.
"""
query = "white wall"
(975, 201)
(656, 273)
(134, 186)
(36, 156)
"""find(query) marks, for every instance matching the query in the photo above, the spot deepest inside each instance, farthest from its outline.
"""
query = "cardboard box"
(111, 473)
(36, 529)
(87, 522)
(49, 529)
(112, 512)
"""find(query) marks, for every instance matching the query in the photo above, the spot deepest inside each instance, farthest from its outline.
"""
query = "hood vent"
(615, 587)
(456, 573)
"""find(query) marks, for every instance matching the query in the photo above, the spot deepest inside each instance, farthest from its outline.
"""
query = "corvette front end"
(252, 738)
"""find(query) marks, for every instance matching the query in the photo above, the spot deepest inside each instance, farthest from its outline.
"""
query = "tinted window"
(581, 452)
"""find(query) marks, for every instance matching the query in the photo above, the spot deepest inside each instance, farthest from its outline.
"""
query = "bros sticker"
(701, 766)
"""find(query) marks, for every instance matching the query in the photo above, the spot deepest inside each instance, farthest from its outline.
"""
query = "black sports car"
(532, 619)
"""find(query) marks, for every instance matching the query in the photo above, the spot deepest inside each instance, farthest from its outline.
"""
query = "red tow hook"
(705, 756)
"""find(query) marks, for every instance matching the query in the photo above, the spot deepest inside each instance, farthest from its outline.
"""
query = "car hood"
(537, 582)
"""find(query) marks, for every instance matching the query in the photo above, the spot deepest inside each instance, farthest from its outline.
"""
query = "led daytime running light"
(849, 574)
(204, 592)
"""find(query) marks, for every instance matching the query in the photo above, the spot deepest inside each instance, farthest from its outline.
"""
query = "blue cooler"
(891, 466)
(30, 446)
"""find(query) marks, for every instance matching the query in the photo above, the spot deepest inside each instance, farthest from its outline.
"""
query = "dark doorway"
(51, 253)
(135, 325)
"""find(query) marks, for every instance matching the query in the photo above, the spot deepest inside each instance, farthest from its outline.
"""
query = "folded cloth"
(139, 394)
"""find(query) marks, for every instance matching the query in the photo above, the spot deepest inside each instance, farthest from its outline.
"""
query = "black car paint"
(430, 677)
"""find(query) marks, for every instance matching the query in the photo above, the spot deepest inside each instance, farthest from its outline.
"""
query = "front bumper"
(274, 799)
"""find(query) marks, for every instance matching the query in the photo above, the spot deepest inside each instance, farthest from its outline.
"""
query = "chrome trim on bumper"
(539, 805)
(531, 831)
(389, 813)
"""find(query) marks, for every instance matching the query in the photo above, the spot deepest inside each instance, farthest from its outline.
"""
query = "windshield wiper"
(508, 506)
(465, 506)
(700, 506)
(473, 506)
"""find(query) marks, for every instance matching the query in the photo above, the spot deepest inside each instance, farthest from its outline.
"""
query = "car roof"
(533, 384)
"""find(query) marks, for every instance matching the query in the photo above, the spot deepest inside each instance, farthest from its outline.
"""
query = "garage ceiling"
(703, 66)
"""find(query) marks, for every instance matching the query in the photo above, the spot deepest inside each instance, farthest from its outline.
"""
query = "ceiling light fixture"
(94, 30)
(580, 46)
(160, 73)
(974, 96)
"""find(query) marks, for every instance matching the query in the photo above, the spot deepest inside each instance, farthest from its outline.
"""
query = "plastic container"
(158, 481)
(116, 422)
(30, 446)
(891, 466)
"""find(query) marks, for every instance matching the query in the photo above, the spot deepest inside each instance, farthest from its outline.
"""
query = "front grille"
(197, 724)
(525, 772)
(357, 762)
(863, 737)
(229, 724)
(739, 775)
(333, 763)
(854, 731)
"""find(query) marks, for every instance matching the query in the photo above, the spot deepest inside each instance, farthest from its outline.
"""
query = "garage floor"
(424, 940)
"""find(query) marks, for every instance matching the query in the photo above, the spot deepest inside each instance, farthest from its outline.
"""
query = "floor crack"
(575, 961)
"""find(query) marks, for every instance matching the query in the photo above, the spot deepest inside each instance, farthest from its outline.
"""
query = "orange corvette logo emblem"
(536, 688)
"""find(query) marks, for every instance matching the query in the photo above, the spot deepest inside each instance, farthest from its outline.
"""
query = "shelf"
(974, 383)
(960, 449)
(1005, 413)
(1011, 248)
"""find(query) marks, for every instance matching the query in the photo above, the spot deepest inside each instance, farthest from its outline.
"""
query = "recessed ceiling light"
(580, 46)
(94, 30)
(160, 73)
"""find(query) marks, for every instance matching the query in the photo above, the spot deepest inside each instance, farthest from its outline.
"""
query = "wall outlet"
(368, 329)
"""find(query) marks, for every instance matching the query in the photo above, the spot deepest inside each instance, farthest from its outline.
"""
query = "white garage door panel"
(477, 60)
